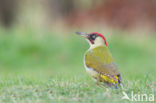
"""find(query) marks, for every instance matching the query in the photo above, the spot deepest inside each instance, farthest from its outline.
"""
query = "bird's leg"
(97, 83)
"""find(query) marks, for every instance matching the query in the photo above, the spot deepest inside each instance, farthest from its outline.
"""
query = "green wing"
(101, 61)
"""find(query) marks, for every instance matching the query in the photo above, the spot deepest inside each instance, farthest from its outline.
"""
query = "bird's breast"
(91, 71)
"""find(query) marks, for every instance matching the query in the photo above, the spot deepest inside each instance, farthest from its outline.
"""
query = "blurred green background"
(41, 58)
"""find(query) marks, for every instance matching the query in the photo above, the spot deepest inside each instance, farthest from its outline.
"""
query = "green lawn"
(41, 66)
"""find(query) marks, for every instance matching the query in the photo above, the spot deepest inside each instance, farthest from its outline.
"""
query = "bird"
(99, 62)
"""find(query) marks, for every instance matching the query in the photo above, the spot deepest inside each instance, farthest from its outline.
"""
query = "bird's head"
(94, 39)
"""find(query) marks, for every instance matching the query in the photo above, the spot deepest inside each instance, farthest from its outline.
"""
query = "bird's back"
(100, 60)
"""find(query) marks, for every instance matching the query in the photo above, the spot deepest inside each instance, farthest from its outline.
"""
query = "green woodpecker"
(99, 62)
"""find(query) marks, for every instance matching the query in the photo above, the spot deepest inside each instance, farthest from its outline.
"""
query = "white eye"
(93, 36)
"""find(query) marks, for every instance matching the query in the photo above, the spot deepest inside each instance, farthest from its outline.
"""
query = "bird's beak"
(82, 34)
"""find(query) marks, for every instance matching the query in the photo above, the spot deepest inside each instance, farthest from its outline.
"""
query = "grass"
(41, 66)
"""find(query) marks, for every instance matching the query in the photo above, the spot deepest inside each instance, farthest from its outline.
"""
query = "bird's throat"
(96, 45)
